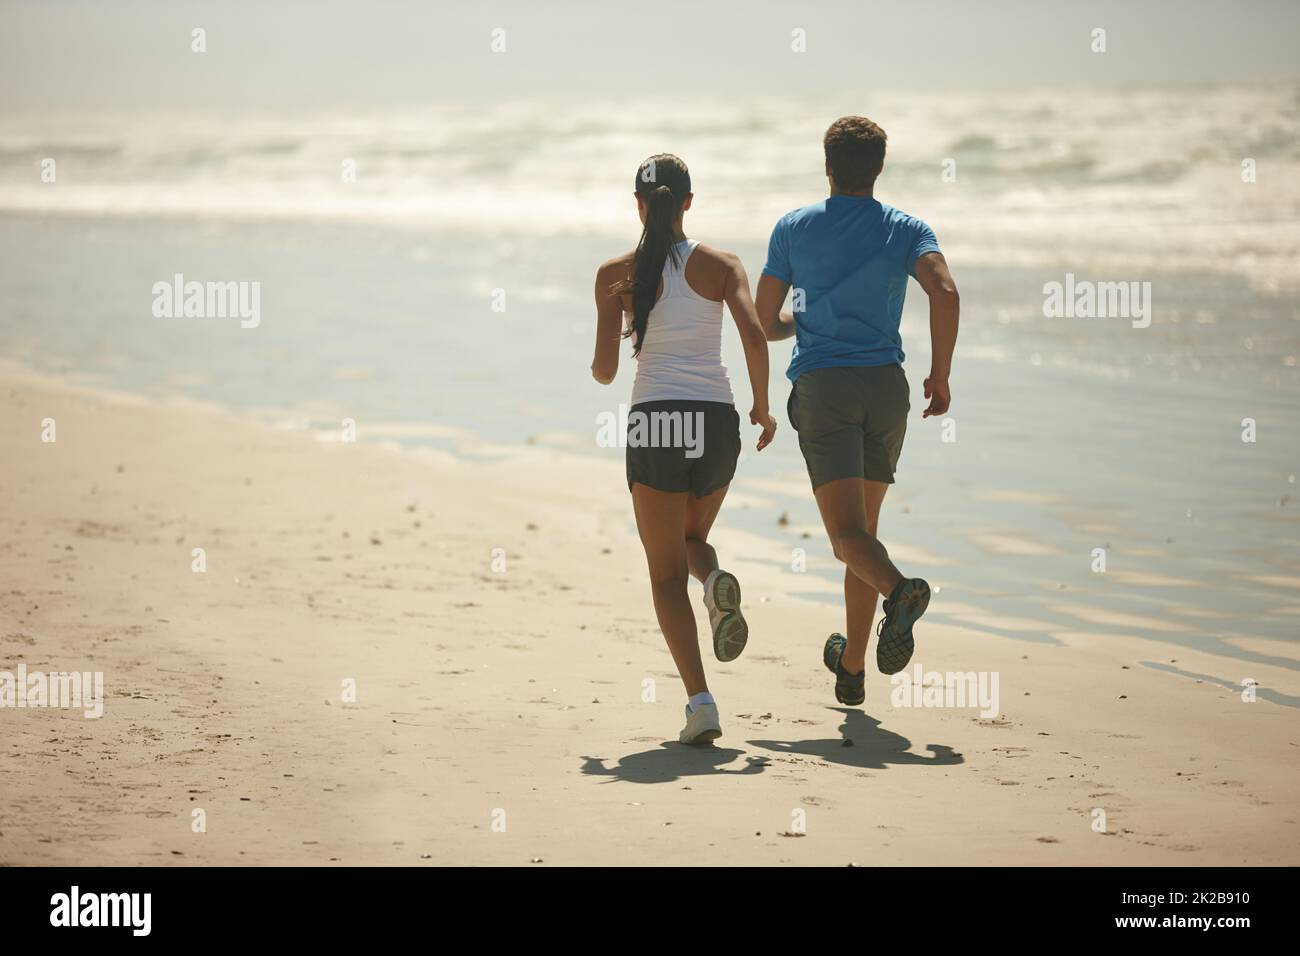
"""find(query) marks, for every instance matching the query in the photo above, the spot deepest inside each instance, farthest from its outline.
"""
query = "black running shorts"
(678, 446)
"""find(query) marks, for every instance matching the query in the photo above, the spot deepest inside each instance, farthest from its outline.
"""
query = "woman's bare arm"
(609, 320)
(741, 306)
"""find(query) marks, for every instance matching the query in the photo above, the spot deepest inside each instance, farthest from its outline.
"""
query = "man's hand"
(936, 390)
(760, 417)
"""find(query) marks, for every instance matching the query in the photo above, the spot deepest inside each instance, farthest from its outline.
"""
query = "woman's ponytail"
(664, 183)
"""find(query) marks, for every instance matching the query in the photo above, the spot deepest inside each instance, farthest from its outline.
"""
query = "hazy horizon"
(69, 55)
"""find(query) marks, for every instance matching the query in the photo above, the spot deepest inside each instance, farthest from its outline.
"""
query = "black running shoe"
(850, 689)
(903, 608)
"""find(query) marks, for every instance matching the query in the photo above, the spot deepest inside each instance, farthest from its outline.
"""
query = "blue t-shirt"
(850, 256)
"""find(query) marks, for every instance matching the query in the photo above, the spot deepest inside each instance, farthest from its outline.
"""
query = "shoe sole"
(703, 737)
(895, 647)
(732, 633)
(848, 701)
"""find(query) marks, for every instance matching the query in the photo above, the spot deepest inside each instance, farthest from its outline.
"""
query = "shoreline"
(514, 698)
(756, 501)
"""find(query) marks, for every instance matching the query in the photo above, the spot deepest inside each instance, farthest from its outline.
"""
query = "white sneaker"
(702, 725)
(730, 632)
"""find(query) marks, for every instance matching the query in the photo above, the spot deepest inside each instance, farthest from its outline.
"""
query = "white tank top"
(681, 354)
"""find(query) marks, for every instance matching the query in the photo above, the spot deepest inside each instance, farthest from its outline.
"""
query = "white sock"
(696, 700)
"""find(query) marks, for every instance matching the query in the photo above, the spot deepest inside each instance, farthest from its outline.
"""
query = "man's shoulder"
(803, 213)
(895, 215)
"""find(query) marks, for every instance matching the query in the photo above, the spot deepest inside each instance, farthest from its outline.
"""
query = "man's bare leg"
(843, 506)
(860, 598)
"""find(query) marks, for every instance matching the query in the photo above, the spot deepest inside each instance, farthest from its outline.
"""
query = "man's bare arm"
(771, 294)
(945, 305)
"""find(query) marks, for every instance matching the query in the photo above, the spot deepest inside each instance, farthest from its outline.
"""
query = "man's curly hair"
(855, 152)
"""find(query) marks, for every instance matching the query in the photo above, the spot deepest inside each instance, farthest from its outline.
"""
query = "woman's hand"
(761, 418)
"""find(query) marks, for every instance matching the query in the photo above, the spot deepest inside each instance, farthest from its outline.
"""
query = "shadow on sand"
(865, 744)
(672, 761)
(872, 748)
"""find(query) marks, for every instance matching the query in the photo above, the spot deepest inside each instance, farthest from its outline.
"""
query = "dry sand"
(499, 715)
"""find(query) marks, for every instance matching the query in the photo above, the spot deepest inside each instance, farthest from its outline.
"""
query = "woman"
(683, 430)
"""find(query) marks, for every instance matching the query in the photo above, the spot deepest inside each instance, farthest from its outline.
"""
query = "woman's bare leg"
(700, 512)
(661, 523)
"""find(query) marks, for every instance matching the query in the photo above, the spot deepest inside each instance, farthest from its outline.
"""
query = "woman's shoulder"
(619, 262)
(614, 274)
(719, 259)
(710, 270)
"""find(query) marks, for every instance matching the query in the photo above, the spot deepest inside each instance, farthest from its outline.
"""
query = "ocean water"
(1071, 434)
(1119, 180)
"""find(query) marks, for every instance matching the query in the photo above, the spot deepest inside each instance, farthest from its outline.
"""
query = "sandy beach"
(514, 702)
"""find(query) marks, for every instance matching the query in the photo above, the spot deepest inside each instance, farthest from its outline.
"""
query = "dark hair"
(855, 152)
(664, 182)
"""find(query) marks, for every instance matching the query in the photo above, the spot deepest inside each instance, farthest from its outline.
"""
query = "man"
(848, 258)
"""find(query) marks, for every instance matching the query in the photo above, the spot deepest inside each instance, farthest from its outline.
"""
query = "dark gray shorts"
(682, 446)
(851, 421)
